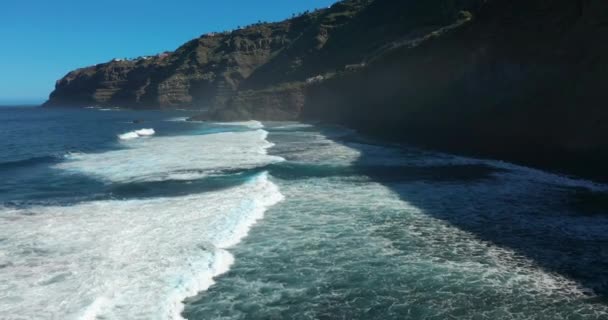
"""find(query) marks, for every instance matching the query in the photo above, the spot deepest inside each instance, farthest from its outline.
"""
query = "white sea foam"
(145, 132)
(331, 152)
(135, 259)
(178, 119)
(136, 134)
(253, 124)
(294, 126)
(512, 171)
(521, 172)
(163, 157)
(128, 136)
(186, 175)
(502, 268)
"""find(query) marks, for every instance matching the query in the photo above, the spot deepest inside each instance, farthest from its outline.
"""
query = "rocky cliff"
(520, 80)
(209, 70)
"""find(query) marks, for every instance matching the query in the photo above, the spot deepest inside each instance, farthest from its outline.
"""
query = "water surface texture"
(104, 218)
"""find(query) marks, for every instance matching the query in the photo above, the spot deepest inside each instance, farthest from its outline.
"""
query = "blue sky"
(41, 40)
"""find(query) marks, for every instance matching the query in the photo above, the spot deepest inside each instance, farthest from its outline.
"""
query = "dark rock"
(209, 70)
(519, 80)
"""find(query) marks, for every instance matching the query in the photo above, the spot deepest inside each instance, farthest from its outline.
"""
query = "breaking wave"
(138, 258)
(160, 158)
(136, 134)
(135, 258)
(29, 162)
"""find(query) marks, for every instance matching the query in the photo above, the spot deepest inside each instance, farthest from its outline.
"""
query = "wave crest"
(159, 158)
(136, 134)
(138, 258)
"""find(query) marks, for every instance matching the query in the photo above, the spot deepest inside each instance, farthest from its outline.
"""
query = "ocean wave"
(369, 152)
(186, 175)
(508, 171)
(178, 119)
(145, 132)
(160, 158)
(399, 249)
(293, 127)
(520, 172)
(138, 258)
(252, 124)
(128, 136)
(328, 147)
(136, 134)
(28, 162)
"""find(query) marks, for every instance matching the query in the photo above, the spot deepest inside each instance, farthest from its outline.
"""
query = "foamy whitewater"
(134, 258)
(373, 231)
(136, 134)
(176, 157)
(283, 220)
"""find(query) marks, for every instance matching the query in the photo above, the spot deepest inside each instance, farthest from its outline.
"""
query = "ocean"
(118, 214)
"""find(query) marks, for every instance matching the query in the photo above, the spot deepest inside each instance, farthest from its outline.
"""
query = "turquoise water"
(378, 232)
(282, 221)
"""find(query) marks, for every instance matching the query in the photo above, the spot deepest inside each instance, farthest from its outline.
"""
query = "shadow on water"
(385, 174)
(178, 188)
(44, 186)
(561, 229)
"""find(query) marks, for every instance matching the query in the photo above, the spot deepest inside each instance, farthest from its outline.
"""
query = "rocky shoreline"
(517, 80)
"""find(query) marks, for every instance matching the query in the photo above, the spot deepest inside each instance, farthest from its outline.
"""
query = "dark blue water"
(282, 221)
(34, 139)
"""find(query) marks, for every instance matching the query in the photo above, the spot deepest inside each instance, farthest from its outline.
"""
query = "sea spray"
(437, 245)
(232, 233)
(136, 134)
(156, 159)
(252, 124)
(138, 258)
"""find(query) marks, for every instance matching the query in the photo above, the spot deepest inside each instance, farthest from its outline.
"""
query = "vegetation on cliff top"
(208, 70)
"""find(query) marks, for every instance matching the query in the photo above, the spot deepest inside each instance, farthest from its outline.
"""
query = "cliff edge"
(519, 80)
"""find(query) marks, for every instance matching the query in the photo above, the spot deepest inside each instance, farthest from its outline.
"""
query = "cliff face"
(520, 80)
(341, 40)
(209, 70)
(198, 73)
(281, 103)
(510, 79)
